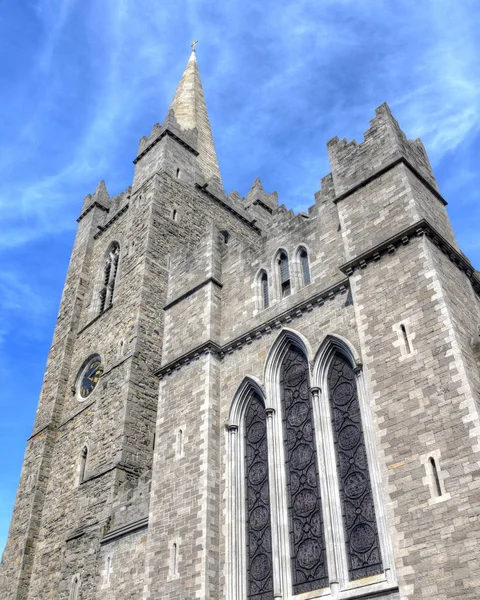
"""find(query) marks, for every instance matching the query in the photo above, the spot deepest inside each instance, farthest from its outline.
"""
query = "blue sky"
(83, 80)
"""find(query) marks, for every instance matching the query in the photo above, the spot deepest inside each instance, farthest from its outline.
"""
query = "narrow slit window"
(284, 272)
(180, 443)
(264, 290)
(174, 560)
(108, 567)
(406, 341)
(83, 463)
(305, 267)
(436, 479)
(178, 172)
(174, 214)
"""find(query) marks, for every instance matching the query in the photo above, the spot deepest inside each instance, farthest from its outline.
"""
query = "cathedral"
(243, 403)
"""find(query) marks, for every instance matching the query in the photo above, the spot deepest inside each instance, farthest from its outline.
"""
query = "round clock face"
(90, 376)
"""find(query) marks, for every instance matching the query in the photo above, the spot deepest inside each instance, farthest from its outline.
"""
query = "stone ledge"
(191, 291)
(402, 238)
(382, 171)
(126, 529)
(95, 319)
(276, 322)
(160, 137)
(102, 228)
(91, 207)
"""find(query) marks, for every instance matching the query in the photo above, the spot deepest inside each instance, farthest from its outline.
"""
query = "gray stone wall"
(187, 326)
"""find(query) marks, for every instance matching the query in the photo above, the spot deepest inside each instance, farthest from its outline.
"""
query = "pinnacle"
(190, 112)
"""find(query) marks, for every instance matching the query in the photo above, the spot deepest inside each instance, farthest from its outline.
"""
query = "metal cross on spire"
(195, 42)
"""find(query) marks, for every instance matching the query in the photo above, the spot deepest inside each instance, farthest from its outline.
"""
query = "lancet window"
(264, 296)
(307, 545)
(361, 535)
(258, 525)
(304, 266)
(109, 276)
(284, 274)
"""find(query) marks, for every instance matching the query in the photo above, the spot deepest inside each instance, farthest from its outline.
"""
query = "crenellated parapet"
(384, 143)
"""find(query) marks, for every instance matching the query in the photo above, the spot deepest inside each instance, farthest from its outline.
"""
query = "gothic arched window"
(258, 522)
(304, 266)
(361, 534)
(307, 545)
(109, 275)
(264, 297)
(284, 274)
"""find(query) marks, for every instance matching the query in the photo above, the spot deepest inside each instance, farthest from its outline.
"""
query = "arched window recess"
(263, 294)
(358, 519)
(109, 275)
(251, 541)
(283, 270)
(303, 266)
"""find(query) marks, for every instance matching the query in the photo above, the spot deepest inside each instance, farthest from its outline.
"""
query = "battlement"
(384, 143)
(170, 126)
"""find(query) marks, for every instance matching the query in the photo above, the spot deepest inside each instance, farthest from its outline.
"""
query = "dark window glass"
(361, 535)
(284, 274)
(259, 536)
(305, 267)
(307, 546)
(264, 283)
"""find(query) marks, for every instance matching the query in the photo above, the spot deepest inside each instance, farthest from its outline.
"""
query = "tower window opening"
(108, 567)
(178, 172)
(180, 443)
(284, 271)
(174, 560)
(83, 463)
(109, 277)
(406, 341)
(305, 267)
(264, 290)
(436, 479)
(174, 214)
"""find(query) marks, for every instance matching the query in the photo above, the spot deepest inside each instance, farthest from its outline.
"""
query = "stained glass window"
(259, 535)
(361, 535)
(307, 546)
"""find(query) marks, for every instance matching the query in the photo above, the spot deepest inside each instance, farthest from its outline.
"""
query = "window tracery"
(109, 276)
(258, 526)
(361, 535)
(308, 557)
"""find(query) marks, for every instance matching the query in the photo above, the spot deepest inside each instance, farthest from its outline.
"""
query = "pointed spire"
(190, 111)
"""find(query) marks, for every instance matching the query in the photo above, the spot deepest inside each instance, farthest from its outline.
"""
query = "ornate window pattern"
(109, 277)
(284, 272)
(258, 526)
(264, 290)
(305, 267)
(361, 535)
(308, 556)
